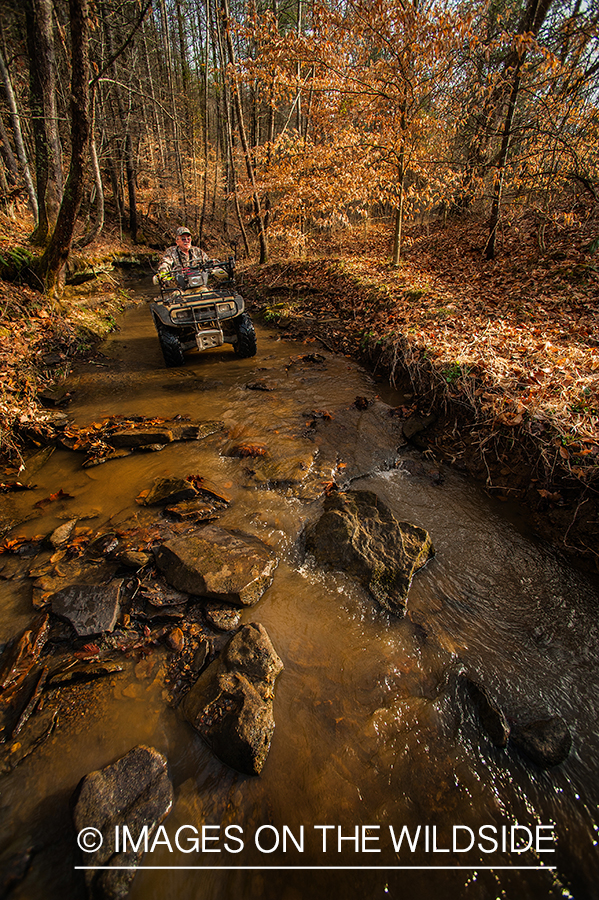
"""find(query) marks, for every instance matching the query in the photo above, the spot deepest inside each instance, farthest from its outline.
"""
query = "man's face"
(183, 241)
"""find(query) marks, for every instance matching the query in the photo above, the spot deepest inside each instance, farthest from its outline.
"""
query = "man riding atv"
(191, 314)
(181, 256)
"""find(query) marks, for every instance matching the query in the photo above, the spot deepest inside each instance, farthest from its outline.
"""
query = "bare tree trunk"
(501, 164)
(229, 141)
(242, 137)
(206, 121)
(398, 230)
(99, 217)
(18, 135)
(158, 126)
(299, 72)
(12, 169)
(42, 67)
(176, 128)
(127, 143)
(131, 187)
(53, 262)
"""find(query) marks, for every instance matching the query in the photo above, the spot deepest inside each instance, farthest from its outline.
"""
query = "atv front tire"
(245, 346)
(171, 348)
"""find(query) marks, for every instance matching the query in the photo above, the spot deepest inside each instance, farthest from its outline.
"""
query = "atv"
(191, 313)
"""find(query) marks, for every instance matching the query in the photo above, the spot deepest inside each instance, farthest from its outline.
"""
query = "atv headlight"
(224, 308)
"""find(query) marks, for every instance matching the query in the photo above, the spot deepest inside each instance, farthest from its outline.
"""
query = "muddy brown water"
(372, 733)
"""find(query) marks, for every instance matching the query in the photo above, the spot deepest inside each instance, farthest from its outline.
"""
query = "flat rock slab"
(135, 791)
(231, 703)
(358, 534)
(360, 440)
(90, 608)
(141, 437)
(216, 563)
(21, 677)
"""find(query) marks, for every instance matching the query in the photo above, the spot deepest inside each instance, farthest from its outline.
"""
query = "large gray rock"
(216, 563)
(90, 608)
(134, 791)
(547, 742)
(231, 703)
(358, 534)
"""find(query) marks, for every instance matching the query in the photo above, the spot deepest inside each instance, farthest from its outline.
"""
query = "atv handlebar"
(180, 277)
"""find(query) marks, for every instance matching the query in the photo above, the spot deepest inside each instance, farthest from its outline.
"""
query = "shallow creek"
(371, 727)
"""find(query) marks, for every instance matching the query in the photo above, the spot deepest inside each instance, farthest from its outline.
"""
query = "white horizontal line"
(324, 868)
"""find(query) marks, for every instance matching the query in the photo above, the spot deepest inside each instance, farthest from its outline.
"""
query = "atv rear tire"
(171, 348)
(245, 346)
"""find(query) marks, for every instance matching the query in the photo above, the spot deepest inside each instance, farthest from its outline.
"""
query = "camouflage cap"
(181, 231)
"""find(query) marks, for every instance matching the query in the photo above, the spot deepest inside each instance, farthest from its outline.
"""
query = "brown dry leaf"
(555, 498)
(59, 495)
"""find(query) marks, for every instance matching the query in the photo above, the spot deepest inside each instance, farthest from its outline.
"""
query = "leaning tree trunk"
(54, 260)
(10, 163)
(98, 225)
(501, 165)
(18, 135)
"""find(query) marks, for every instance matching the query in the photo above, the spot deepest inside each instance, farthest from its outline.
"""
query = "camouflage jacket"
(174, 259)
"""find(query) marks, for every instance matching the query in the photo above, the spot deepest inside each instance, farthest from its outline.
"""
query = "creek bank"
(520, 458)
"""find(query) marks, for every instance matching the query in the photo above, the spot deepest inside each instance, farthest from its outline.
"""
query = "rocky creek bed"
(266, 479)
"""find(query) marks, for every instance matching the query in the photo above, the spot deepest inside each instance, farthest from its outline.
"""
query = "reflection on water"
(372, 730)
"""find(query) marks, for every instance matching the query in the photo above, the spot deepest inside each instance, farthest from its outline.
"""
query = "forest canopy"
(287, 118)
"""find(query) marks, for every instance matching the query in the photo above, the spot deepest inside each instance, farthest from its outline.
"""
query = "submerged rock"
(82, 671)
(361, 439)
(195, 511)
(167, 490)
(358, 534)
(547, 742)
(134, 791)
(416, 425)
(134, 559)
(216, 563)
(140, 437)
(223, 618)
(21, 677)
(231, 703)
(490, 715)
(61, 535)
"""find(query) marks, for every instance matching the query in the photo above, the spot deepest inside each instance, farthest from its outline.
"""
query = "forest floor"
(502, 355)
